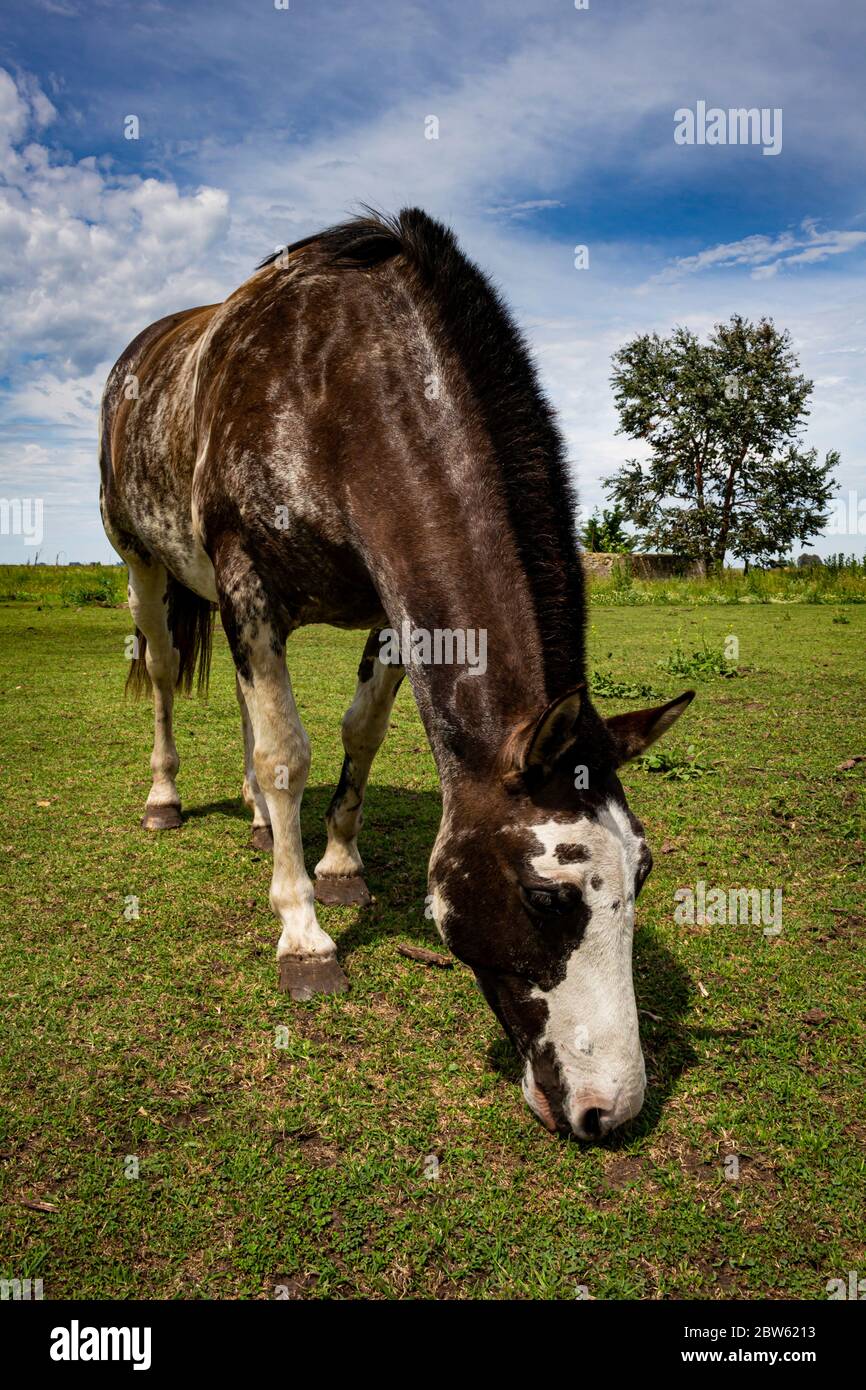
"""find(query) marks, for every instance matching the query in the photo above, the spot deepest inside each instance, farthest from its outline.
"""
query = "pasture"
(376, 1144)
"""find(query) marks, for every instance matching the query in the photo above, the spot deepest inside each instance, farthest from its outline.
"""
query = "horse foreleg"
(261, 836)
(148, 586)
(281, 760)
(339, 873)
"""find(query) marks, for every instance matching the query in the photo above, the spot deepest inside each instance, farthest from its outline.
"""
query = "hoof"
(304, 976)
(262, 837)
(342, 890)
(161, 818)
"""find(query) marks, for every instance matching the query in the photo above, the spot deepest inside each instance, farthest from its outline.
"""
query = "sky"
(257, 125)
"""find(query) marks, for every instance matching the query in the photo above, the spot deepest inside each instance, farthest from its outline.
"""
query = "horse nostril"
(593, 1123)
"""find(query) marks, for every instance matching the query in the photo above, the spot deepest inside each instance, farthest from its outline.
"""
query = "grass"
(72, 586)
(819, 585)
(604, 686)
(677, 766)
(706, 660)
(159, 1036)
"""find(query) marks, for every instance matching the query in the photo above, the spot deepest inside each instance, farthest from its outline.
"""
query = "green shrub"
(99, 589)
(706, 661)
(605, 687)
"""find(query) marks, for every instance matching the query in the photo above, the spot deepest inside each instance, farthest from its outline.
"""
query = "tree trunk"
(706, 555)
(727, 505)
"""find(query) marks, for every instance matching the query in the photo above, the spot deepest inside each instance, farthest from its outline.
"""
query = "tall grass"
(819, 584)
(70, 586)
(105, 585)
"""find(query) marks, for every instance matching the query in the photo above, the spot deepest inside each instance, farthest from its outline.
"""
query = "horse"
(357, 436)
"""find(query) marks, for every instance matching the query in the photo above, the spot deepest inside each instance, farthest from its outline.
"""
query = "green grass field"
(304, 1167)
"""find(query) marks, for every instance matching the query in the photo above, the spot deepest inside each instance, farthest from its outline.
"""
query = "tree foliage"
(607, 533)
(723, 421)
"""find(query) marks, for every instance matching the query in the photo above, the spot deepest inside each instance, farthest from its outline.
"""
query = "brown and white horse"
(356, 436)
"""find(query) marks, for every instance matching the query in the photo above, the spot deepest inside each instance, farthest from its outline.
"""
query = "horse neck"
(454, 592)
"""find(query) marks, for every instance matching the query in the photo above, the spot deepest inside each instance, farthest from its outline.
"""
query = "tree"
(723, 420)
(607, 533)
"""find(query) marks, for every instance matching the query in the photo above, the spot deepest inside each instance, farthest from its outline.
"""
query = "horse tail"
(137, 678)
(190, 621)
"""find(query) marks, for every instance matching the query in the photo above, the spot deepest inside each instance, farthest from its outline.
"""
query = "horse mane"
(527, 444)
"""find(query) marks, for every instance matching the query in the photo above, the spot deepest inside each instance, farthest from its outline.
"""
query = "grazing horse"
(357, 436)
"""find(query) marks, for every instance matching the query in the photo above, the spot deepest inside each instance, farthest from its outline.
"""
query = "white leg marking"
(364, 727)
(147, 586)
(281, 761)
(251, 791)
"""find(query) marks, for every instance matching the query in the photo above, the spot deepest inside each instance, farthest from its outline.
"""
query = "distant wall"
(599, 565)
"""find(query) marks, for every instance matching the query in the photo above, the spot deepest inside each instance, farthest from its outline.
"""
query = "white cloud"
(90, 256)
(766, 255)
(523, 209)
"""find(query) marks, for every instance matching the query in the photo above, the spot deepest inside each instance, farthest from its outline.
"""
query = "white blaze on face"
(592, 1018)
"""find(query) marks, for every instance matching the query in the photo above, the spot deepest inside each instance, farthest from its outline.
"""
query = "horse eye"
(551, 902)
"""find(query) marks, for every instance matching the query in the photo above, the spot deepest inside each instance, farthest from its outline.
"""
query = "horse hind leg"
(177, 627)
(148, 602)
(339, 879)
(261, 836)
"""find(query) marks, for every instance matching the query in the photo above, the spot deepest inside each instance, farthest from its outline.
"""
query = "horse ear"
(553, 733)
(633, 733)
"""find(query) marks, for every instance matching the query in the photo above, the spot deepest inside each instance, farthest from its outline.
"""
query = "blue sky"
(258, 125)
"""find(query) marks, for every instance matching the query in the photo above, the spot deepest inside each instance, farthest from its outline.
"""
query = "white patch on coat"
(439, 905)
(592, 1017)
(439, 910)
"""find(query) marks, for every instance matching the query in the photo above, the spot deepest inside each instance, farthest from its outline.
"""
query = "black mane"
(518, 417)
